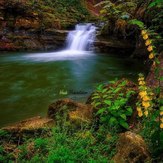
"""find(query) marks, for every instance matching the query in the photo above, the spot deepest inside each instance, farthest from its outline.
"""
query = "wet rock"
(51, 31)
(113, 44)
(32, 44)
(27, 23)
(31, 124)
(6, 46)
(131, 148)
(69, 110)
(140, 50)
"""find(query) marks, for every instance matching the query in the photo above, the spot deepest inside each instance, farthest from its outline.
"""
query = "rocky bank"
(36, 24)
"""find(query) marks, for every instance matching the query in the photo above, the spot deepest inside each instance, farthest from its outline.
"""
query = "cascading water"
(81, 38)
(79, 43)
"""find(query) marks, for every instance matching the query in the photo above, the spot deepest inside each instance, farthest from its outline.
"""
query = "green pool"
(30, 82)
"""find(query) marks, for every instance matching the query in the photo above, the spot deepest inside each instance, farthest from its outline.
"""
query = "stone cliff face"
(35, 24)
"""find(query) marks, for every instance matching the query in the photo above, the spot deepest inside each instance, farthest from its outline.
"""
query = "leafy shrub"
(112, 105)
(64, 5)
(153, 134)
(3, 133)
(140, 24)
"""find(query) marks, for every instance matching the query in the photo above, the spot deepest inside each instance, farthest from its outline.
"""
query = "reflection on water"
(30, 82)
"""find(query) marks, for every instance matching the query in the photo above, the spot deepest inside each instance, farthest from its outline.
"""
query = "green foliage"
(139, 23)
(36, 158)
(63, 145)
(64, 5)
(41, 144)
(155, 3)
(3, 133)
(79, 146)
(117, 9)
(23, 152)
(59, 14)
(116, 14)
(153, 134)
(2, 158)
(112, 104)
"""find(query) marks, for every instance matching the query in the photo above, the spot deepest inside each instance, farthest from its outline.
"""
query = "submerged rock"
(68, 110)
(131, 148)
(113, 44)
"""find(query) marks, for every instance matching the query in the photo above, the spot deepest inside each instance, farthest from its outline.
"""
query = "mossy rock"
(131, 148)
(29, 125)
(68, 111)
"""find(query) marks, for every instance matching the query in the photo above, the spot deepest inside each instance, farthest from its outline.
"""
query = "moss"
(62, 145)
(52, 14)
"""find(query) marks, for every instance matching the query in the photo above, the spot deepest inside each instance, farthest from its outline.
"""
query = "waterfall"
(79, 44)
(82, 38)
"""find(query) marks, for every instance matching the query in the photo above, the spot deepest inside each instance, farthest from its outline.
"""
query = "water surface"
(30, 82)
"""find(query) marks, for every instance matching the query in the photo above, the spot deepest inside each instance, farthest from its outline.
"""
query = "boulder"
(31, 124)
(131, 148)
(68, 110)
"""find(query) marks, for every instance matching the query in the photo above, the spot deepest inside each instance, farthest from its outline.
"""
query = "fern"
(139, 23)
(156, 3)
